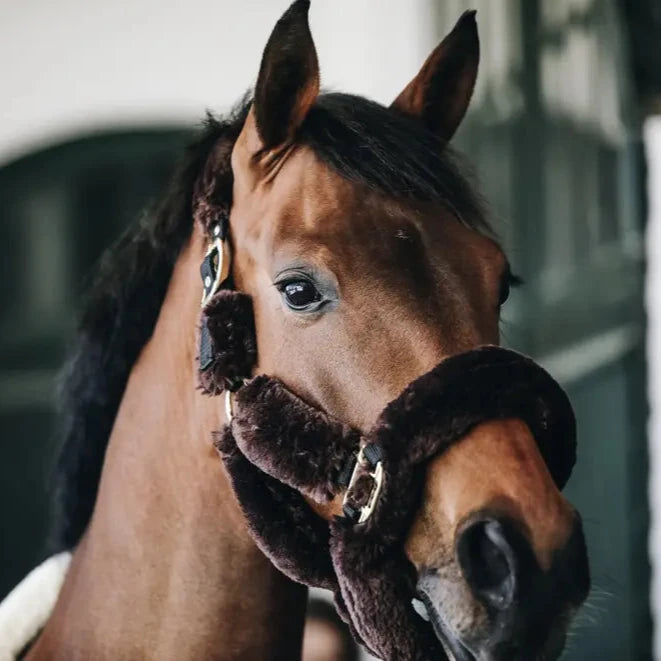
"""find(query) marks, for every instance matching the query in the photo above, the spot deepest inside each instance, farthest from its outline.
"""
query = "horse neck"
(166, 568)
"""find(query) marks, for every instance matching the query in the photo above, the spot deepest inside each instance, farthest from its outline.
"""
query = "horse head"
(368, 263)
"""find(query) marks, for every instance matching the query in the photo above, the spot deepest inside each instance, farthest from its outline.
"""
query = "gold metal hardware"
(376, 475)
(222, 267)
(229, 405)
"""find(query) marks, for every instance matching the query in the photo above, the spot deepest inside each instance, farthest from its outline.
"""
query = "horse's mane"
(118, 318)
(359, 139)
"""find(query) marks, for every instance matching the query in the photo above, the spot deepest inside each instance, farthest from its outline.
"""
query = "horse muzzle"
(528, 610)
(279, 449)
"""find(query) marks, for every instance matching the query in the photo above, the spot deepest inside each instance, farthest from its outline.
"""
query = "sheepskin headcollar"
(278, 449)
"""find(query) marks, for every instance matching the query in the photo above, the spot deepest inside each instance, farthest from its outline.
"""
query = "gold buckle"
(377, 476)
(222, 268)
(229, 405)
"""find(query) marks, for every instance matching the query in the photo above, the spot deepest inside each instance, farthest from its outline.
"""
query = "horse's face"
(356, 293)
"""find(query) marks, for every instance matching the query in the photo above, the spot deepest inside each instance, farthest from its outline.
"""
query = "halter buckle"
(229, 405)
(215, 268)
(374, 469)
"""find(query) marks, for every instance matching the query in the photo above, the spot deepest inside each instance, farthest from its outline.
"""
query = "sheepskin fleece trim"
(377, 584)
(229, 320)
(25, 610)
(278, 446)
(279, 520)
(302, 446)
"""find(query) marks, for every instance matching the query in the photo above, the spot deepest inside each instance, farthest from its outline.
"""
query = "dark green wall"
(566, 183)
(60, 209)
(609, 487)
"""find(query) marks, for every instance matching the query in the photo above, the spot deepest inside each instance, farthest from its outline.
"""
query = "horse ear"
(439, 95)
(288, 81)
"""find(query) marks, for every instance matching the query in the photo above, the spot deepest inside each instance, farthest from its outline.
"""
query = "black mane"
(359, 139)
(117, 321)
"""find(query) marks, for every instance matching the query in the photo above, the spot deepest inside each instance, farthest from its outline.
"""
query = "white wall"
(70, 66)
(653, 304)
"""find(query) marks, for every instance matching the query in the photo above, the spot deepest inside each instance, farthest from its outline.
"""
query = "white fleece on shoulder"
(25, 610)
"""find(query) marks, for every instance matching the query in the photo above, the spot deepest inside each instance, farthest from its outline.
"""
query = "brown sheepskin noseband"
(278, 449)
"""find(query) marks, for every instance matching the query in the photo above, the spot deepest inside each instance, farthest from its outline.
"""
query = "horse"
(367, 255)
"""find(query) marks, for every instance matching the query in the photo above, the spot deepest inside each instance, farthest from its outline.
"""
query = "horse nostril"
(488, 560)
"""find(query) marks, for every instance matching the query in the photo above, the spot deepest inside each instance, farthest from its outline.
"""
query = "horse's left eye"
(300, 294)
(508, 281)
(504, 291)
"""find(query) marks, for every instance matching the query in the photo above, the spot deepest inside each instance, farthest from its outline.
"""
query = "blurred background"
(98, 99)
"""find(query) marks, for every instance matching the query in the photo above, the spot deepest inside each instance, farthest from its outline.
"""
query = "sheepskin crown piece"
(277, 450)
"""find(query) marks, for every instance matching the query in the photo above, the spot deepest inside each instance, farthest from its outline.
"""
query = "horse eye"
(504, 291)
(300, 294)
(508, 281)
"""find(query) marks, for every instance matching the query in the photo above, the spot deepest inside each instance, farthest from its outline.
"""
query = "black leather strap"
(372, 452)
(206, 347)
(208, 273)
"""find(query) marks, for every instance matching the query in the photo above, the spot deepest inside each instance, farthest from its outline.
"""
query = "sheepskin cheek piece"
(227, 336)
(279, 448)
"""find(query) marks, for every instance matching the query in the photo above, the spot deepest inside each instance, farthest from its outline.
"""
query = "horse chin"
(445, 601)
(452, 645)
(456, 626)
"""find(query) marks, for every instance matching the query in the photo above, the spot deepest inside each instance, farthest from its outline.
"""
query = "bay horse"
(368, 258)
